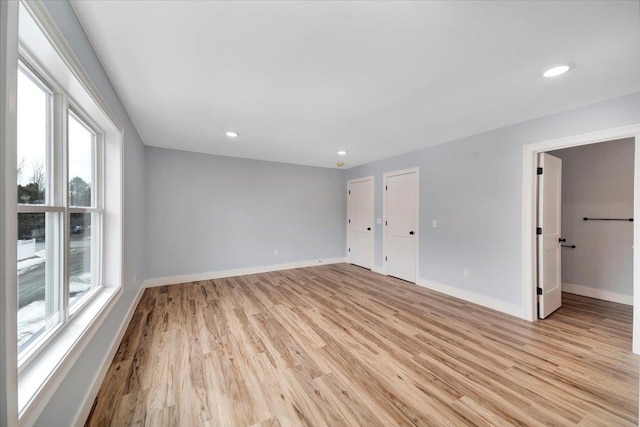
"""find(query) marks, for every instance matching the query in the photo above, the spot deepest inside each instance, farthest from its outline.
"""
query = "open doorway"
(531, 204)
(585, 225)
(597, 220)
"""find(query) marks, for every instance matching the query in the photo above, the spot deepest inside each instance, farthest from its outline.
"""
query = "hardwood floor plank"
(339, 345)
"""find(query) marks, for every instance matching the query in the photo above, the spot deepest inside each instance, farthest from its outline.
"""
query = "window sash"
(66, 311)
(96, 156)
(34, 74)
(54, 314)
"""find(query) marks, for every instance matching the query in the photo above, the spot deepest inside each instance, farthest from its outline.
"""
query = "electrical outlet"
(465, 272)
(434, 223)
(275, 252)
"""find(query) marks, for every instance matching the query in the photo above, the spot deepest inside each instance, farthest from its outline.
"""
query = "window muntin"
(60, 211)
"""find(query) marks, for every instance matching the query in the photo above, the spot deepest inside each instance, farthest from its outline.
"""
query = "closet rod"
(608, 219)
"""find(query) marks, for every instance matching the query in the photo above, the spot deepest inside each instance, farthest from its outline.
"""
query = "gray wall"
(597, 181)
(208, 213)
(65, 403)
(473, 187)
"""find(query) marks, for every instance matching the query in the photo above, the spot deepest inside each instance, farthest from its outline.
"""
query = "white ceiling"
(300, 80)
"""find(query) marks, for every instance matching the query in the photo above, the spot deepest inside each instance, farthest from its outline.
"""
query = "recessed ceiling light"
(556, 71)
(340, 164)
(231, 134)
(342, 152)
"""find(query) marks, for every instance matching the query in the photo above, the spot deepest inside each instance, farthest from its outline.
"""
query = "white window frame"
(57, 201)
(97, 207)
(8, 211)
(26, 394)
(54, 247)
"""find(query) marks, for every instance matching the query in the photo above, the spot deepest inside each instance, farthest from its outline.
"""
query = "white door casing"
(529, 214)
(549, 234)
(401, 219)
(360, 222)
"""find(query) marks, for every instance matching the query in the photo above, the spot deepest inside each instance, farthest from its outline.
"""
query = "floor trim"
(173, 280)
(377, 269)
(494, 304)
(587, 291)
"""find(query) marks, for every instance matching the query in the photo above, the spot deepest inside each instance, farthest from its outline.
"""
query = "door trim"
(373, 224)
(529, 209)
(385, 177)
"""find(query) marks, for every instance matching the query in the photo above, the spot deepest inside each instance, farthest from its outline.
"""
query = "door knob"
(411, 232)
(368, 228)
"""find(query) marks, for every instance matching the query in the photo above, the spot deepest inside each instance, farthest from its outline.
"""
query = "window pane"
(81, 155)
(33, 135)
(80, 256)
(38, 291)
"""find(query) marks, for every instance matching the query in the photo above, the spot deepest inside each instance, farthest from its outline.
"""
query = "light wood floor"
(338, 345)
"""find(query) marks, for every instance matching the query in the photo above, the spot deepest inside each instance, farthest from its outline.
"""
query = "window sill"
(39, 380)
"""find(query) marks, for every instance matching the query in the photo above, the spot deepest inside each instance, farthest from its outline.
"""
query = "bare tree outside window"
(33, 192)
(20, 168)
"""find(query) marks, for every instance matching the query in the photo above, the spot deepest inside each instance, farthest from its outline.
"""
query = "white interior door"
(401, 225)
(360, 222)
(549, 234)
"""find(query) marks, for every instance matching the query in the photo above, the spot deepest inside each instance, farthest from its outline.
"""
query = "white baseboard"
(172, 280)
(377, 269)
(586, 291)
(494, 304)
(87, 403)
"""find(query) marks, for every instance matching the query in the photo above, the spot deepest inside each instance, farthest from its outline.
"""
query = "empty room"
(319, 213)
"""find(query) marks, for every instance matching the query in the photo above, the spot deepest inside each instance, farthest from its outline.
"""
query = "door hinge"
(349, 191)
(539, 291)
(349, 249)
(349, 221)
(386, 223)
(539, 230)
(385, 258)
(539, 171)
(386, 187)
